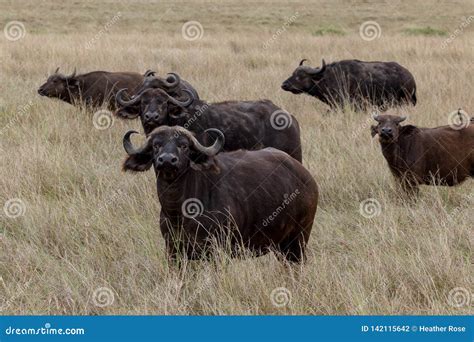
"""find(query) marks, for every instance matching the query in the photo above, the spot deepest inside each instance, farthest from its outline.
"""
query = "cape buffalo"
(357, 83)
(172, 84)
(432, 156)
(249, 125)
(260, 200)
(91, 89)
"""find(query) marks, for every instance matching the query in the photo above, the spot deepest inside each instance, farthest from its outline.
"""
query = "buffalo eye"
(184, 147)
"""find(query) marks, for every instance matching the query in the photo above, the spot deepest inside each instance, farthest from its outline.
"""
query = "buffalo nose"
(284, 86)
(167, 158)
(40, 91)
(151, 116)
(386, 131)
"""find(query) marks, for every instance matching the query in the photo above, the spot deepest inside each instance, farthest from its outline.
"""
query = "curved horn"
(149, 73)
(375, 117)
(73, 74)
(302, 61)
(315, 71)
(172, 80)
(133, 101)
(211, 150)
(128, 146)
(185, 103)
(401, 119)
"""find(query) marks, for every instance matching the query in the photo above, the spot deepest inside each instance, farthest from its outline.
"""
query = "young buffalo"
(91, 89)
(431, 156)
(261, 200)
(358, 83)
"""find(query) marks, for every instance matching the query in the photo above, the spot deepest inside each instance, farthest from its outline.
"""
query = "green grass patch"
(425, 31)
(328, 31)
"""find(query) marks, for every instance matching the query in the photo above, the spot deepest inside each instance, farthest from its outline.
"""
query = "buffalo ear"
(373, 130)
(207, 163)
(138, 162)
(72, 82)
(127, 113)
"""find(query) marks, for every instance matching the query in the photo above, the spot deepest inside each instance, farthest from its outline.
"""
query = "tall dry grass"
(88, 226)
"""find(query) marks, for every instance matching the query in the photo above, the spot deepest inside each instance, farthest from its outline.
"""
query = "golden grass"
(88, 225)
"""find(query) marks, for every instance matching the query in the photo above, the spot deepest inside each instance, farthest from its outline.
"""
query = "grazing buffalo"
(249, 125)
(260, 200)
(357, 83)
(432, 156)
(91, 89)
(172, 84)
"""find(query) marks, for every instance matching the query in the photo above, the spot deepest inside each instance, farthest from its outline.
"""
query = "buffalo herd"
(230, 173)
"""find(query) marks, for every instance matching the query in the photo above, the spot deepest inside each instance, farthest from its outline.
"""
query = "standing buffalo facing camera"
(249, 125)
(357, 83)
(172, 85)
(91, 89)
(432, 156)
(260, 200)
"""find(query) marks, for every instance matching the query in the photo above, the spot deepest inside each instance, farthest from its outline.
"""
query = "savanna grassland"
(79, 236)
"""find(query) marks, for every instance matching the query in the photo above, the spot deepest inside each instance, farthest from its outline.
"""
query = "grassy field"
(85, 238)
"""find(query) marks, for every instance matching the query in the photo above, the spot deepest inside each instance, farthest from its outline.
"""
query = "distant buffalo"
(172, 84)
(432, 156)
(258, 200)
(90, 90)
(249, 125)
(357, 83)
